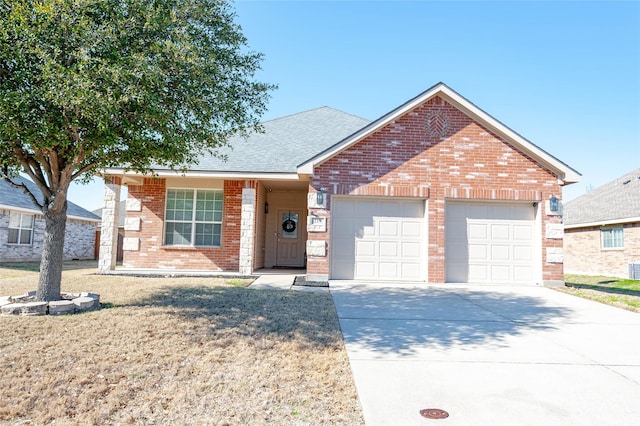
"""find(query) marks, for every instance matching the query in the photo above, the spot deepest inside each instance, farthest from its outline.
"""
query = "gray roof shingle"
(616, 200)
(286, 142)
(14, 197)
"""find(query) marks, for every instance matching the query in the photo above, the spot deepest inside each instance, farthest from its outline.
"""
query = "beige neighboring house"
(602, 230)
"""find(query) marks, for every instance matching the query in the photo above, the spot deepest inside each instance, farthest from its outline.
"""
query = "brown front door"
(290, 239)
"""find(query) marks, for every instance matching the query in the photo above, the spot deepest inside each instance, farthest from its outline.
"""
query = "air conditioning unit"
(634, 271)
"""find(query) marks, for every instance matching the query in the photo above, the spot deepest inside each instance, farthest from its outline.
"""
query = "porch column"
(247, 230)
(109, 229)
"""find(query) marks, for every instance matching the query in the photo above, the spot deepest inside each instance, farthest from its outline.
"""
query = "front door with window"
(290, 239)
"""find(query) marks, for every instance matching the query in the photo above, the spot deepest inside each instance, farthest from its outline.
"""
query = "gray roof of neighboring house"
(616, 200)
(14, 197)
(285, 143)
(122, 212)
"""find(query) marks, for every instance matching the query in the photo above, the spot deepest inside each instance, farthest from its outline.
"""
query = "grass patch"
(175, 351)
(619, 292)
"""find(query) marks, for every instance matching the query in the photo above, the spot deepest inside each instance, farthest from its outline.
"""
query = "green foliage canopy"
(90, 84)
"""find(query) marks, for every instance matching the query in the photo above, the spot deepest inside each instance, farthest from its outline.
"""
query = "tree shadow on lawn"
(403, 321)
(304, 317)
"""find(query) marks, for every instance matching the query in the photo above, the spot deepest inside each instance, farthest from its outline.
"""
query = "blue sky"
(565, 75)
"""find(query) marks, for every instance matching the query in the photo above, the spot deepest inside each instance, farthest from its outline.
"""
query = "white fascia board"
(20, 209)
(39, 213)
(205, 174)
(603, 223)
(567, 174)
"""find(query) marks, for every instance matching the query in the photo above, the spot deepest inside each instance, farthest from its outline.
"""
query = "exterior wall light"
(553, 203)
(320, 197)
(266, 207)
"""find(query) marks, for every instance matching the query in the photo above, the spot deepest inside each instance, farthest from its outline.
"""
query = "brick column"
(109, 231)
(247, 230)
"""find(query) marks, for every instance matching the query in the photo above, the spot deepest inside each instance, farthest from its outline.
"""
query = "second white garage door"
(378, 239)
(489, 242)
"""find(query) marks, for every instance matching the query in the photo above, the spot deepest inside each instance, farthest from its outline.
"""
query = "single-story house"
(436, 191)
(602, 230)
(22, 226)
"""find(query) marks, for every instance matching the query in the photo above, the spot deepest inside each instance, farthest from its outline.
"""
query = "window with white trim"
(612, 238)
(21, 228)
(193, 217)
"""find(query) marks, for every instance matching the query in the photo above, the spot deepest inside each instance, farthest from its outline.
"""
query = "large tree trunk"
(52, 255)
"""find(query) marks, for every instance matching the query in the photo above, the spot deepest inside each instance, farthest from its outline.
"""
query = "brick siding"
(460, 160)
(153, 254)
(583, 253)
(79, 240)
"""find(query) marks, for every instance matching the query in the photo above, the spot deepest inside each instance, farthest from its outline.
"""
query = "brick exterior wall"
(79, 240)
(436, 152)
(151, 253)
(583, 253)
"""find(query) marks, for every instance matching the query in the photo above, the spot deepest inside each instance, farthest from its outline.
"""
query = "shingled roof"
(11, 197)
(285, 143)
(615, 202)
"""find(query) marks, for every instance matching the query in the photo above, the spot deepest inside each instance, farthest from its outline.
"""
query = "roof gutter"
(603, 223)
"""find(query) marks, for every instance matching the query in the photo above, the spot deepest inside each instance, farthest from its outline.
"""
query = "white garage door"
(489, 242)
(378, 239)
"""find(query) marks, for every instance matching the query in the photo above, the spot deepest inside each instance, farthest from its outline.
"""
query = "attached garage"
(378, 239)
(490, 242)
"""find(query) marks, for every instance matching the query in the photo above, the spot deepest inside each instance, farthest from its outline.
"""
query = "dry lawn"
(199, 351)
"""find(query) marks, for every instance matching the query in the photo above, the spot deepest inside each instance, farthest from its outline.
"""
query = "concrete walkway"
(489, 355)
(281, 279)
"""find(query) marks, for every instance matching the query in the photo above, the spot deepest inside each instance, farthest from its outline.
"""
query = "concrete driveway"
(489, 355)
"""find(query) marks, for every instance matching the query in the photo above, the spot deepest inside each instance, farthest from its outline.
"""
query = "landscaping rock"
(62, 307)
(85, 303)
(12, 309)
(34, 308)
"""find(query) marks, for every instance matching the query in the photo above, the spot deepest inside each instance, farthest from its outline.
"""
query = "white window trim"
(193, 220)
(611, 229)
(20, 228)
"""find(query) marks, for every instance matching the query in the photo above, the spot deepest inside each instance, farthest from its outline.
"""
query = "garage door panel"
(365, 248)
(500, 231)
(523, 254)
(523, 232)
(411, 229)
(365, 269)
(489, 242)
(388, 228)
(477, 273)
(500, 273)
(500, 252)
(478, 231)
(388, 249)
(410, 250)
(387, 238)
(477, 252)
(388, 270)
(344, 227)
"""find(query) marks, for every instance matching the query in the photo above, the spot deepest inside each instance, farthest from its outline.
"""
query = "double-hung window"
(612, 238)
(20, 228)
(193, 217)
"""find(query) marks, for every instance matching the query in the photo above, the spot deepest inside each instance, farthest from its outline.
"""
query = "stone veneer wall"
(583, 252)
(437, 152)
(79, 240)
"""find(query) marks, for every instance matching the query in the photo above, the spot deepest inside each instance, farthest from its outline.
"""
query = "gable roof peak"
(564, 173)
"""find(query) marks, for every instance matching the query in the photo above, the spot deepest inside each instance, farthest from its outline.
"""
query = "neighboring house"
(436, 190)
(22, 226)
(602, 229)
